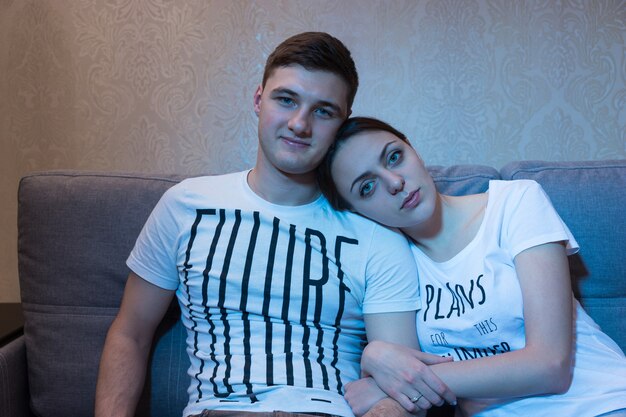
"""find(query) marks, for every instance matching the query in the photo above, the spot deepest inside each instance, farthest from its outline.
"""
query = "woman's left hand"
(403, 373)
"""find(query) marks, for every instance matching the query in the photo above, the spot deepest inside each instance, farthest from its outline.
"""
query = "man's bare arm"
(124, 358)
(389, 407)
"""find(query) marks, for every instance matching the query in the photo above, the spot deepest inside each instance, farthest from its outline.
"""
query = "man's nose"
(300, 123)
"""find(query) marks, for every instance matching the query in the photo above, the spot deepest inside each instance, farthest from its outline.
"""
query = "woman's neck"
(452, 226)
(433, 227)
(429, 233)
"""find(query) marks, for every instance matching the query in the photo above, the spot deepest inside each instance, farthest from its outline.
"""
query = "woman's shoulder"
(470, 202)
(513, 185)
(495, 188)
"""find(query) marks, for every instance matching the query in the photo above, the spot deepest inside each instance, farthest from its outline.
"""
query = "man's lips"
(412, 200)
(295, 141)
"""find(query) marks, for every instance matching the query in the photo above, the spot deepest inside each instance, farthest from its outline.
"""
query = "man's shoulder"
(202, 191)
(380, 236)
(207, 184)
(217, 179)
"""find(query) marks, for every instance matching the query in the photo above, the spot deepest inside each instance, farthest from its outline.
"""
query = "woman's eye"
(394, 157)
(366, 188)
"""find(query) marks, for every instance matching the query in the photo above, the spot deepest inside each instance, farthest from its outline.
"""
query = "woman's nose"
(300, 124)
(396, 184)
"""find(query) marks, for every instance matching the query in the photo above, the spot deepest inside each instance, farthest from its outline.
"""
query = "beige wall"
(166, 85)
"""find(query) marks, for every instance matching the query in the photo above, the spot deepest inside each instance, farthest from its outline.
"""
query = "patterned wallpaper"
(166, 85)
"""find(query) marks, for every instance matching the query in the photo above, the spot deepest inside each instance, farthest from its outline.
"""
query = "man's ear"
(257, 99)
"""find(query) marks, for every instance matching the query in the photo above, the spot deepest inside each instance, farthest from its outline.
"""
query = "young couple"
(279, 291)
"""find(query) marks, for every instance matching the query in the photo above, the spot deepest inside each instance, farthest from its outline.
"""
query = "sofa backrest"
(590, 196)
(76, 229)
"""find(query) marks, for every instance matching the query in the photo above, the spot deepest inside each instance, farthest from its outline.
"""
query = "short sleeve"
(391, 274)
(154, 256)
(533, 220)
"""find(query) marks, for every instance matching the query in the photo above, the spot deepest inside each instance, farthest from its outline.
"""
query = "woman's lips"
(411, 201)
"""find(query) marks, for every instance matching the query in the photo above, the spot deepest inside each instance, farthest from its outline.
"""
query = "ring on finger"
(417, 398)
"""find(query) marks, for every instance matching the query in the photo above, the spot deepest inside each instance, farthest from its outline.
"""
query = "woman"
(495, 288)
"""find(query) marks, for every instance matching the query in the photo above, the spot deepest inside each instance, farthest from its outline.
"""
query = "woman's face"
(384, 179)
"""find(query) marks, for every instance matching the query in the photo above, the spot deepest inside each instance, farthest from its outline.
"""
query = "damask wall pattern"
(166, 86)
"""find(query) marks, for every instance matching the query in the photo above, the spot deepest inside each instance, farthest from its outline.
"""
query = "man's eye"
(324, 113)
(394, 157)
(366, 188)
(287, 101)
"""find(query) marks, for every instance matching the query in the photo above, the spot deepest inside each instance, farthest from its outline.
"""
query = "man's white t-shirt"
(472, 307)
(272, 297)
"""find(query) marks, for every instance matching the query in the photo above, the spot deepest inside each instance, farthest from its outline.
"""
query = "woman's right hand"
(404, 374)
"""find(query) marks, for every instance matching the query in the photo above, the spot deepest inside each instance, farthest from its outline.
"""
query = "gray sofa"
(77, 228)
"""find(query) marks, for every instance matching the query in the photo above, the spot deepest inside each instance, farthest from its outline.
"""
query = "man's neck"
(282, 188)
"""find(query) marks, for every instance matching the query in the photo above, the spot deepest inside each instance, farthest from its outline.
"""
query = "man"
(273, 284)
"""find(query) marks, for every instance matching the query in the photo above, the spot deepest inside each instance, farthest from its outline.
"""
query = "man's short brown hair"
(315, 51)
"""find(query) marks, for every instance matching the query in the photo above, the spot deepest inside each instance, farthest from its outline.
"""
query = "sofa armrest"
(14, 396)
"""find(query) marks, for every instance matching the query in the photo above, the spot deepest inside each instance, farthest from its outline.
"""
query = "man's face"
(299, 113)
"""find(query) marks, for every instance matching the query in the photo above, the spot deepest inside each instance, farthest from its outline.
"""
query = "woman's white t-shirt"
(472, 307)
